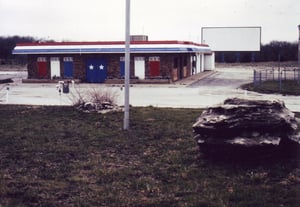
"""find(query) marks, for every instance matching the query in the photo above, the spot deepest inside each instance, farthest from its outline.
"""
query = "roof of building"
(168, 46)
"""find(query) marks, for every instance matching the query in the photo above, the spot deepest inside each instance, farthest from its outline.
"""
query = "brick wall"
(173, 66)
(78, 67)
(32, 67)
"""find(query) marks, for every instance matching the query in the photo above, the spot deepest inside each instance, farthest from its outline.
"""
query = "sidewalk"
(214, 88)
(192, 79)
(177, 84)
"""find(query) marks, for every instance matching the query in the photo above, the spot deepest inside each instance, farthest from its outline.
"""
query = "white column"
(202, 63)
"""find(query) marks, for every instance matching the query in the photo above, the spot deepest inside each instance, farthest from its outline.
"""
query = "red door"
(154, 66)
(42, 67)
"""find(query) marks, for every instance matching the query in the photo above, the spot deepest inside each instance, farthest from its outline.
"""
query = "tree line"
(273, 51)
(7, 45)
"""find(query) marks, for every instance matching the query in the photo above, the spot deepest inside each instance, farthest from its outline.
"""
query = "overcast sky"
(103, 20)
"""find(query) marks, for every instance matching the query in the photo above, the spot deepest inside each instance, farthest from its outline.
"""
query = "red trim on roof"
(111, 43)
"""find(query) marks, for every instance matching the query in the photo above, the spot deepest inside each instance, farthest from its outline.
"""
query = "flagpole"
(127, 66)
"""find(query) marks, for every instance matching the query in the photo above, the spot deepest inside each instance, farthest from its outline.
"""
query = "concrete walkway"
(200, 91)
(197, 77)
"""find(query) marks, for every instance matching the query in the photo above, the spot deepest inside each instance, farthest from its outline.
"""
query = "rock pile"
(102, 107)
(247, 124)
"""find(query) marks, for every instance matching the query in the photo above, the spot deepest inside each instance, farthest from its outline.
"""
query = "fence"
(276, 74)
(4, 93)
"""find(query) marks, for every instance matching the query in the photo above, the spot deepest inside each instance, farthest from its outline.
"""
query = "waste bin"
(66, 87)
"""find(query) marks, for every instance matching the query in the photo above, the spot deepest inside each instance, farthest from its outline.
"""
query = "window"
(41, 59)
(54, 59)
(175, 64)
(68, 59)
(155, 58)
(184, 60)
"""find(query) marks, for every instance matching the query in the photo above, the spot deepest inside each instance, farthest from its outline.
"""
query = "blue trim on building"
(108, 50)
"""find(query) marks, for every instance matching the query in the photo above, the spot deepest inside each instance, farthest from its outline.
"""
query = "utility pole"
(127, 66)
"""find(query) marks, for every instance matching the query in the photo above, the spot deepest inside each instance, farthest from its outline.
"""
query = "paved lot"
(192, 93)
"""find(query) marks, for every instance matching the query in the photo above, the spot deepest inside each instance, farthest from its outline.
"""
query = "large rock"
(246, 123)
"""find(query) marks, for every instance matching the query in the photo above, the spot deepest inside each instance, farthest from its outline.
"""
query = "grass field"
(288, 87)
(57, 156)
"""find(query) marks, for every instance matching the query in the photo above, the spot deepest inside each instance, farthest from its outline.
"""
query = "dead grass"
(58, 156)
(288, 87)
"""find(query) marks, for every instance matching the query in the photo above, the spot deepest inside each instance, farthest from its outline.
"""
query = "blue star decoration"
(101, 67)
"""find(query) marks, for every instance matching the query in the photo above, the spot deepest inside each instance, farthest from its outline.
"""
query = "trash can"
(66, 87)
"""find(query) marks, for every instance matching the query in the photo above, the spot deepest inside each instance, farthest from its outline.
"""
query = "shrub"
(94, 98)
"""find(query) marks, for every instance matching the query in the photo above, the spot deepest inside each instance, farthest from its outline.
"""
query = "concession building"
(103, 62)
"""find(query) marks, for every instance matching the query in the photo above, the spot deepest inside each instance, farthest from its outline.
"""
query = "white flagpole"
(127, 66)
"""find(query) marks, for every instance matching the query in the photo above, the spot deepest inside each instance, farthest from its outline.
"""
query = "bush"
(94, 98)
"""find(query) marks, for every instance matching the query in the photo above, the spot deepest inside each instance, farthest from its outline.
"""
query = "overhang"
(110, 47)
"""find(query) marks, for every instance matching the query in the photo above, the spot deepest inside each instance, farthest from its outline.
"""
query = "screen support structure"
(232, 39)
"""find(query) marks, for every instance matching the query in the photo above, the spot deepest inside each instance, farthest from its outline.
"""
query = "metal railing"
(276, 74)
(4, 93)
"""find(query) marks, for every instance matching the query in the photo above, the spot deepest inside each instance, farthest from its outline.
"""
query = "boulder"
(248, 124)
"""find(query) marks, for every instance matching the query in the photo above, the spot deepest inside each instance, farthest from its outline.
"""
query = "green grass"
(57, 156)
(288, 87)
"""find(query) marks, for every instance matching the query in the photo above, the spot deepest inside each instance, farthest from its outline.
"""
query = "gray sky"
(104, 20)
